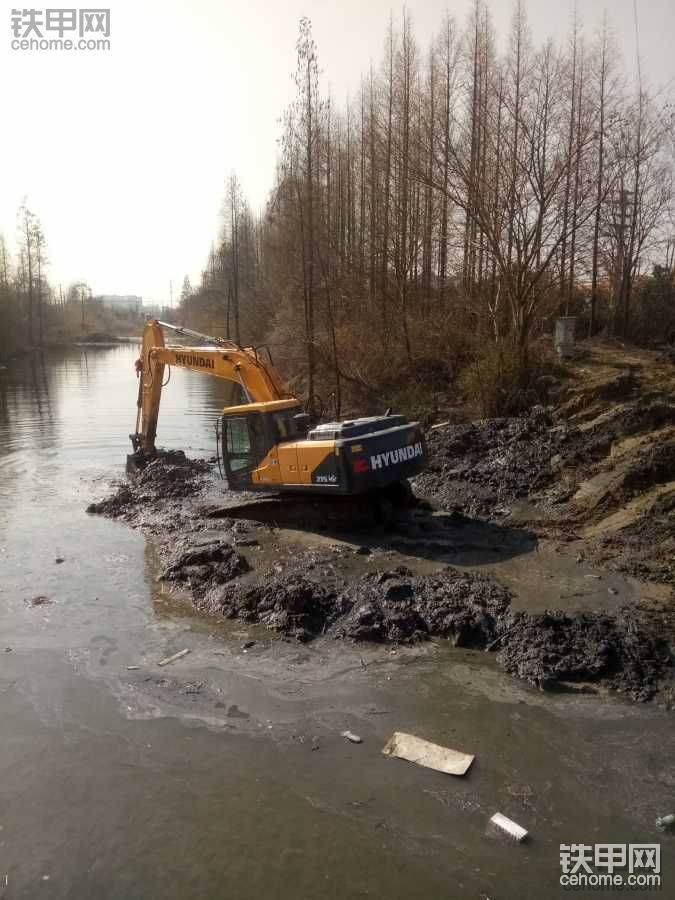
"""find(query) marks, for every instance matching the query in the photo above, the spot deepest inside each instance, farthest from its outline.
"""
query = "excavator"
(268, 443)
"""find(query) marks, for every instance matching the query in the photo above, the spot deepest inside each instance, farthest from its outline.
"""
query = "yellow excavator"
(267, 443)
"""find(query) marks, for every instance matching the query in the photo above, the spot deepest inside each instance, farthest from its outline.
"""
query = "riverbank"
(502, 490)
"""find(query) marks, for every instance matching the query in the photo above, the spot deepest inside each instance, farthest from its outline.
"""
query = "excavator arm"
(259, 380)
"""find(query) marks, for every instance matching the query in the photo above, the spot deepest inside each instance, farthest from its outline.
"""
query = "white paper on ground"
(424, 753)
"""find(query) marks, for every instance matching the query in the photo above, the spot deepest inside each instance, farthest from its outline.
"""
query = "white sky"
(123, 153)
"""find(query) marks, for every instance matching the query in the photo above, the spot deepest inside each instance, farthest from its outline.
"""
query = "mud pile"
(397, 606)
(289, 603)
(170, 477)
(590, 441)
(605, 476)
(658, 524)
(474, 469)
(478, 468)
(201, 566)
(551, 650)
(555, 648)
(652, 466)
(389, 606)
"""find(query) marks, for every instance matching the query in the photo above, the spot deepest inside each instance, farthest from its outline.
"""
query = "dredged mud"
(170, 477)
(241, 569)
(477, 468)
(596, 472)
(599, 468)
(555, 649)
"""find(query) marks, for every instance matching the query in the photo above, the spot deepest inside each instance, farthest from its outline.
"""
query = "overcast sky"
(123, 153)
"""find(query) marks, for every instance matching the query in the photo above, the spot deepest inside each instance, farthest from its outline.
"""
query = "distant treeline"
(442, 217)
(33, 313)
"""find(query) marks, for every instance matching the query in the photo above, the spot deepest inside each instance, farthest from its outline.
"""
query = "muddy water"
(224, 773)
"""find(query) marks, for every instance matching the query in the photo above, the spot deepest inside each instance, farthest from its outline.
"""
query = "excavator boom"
(260, 382)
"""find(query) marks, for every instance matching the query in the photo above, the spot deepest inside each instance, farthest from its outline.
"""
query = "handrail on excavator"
(181, 329)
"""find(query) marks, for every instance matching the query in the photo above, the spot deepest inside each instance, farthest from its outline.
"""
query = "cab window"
(238, 443)
(282, 427)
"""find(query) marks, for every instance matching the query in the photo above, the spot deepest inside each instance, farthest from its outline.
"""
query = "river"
(224, 774)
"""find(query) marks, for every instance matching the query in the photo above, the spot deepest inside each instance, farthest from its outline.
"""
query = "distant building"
(126, 302)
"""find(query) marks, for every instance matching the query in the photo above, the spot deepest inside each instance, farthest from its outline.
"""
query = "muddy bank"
(558, 650)
(598, 469)
(478, 468)
(244, 570)
(392, 605)
(549, 650)
(173, 477)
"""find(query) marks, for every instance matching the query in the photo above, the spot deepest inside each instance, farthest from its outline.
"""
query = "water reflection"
(67, 415)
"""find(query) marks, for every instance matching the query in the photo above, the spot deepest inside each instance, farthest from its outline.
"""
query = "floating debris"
(665, 822)
(170, 659)
(424, 753)
(508, 827)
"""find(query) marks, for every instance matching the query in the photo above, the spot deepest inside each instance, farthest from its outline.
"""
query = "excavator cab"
(250, 439)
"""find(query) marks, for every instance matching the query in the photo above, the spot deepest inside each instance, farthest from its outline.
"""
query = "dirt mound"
(396, 606)
(203, 565)
(644, 548)
(480, 467)
(170, 477)
(475, 468)
(548, 650)
(597, 475)
(392, 606)
(554, 647)
(658, 523)
(290, 603)
(601, 383)
(651, 466)
(116, 505)
(591, 442)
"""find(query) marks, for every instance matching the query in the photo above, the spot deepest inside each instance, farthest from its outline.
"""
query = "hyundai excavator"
(267, 443)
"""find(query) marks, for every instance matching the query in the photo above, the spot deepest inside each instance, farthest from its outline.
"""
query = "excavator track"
(321, 513)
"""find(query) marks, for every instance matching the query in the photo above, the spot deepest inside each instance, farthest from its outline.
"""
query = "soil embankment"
(598, 468)
(593, 476)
